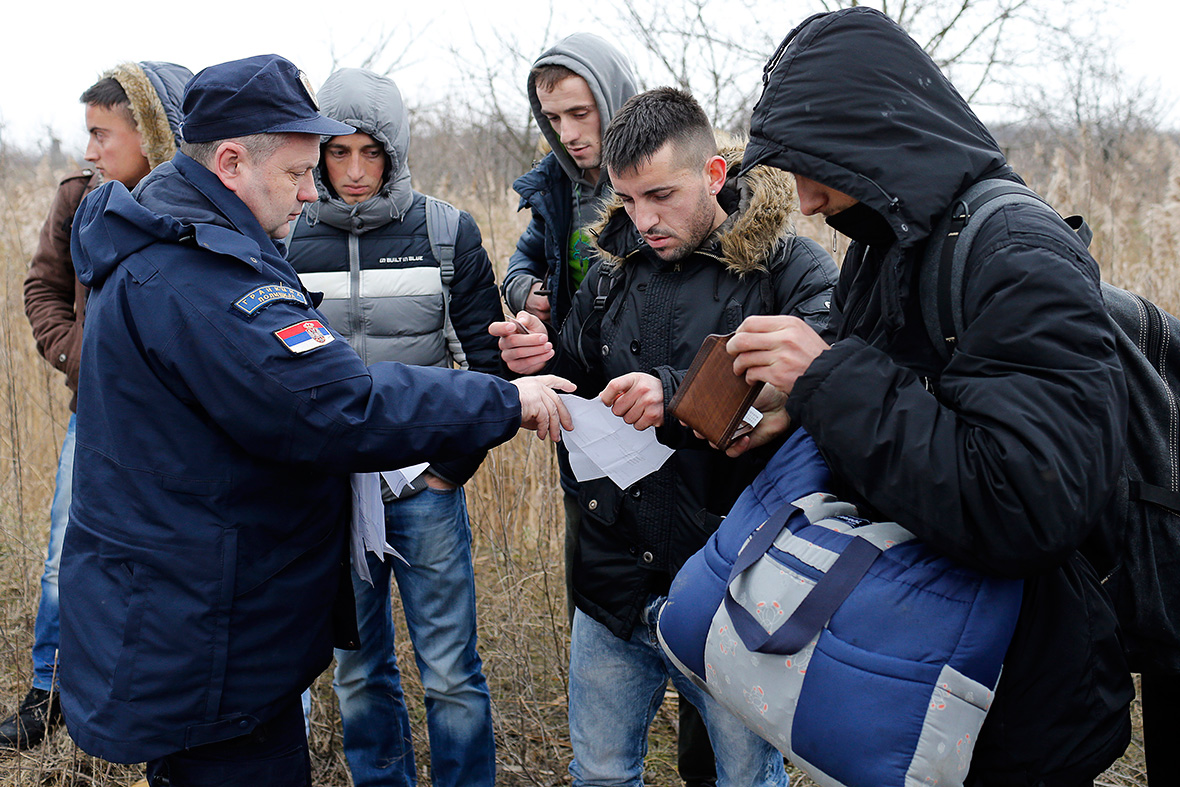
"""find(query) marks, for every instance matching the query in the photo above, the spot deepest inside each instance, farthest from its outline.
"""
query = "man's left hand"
(772, 403)
(637, 398)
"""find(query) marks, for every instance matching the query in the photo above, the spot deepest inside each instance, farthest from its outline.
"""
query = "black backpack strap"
(944, 264)
(609, 274)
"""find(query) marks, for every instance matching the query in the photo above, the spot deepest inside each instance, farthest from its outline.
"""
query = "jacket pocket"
(600, 500)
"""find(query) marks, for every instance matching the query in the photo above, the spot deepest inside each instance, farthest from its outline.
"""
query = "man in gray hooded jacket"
(365, 244)
(574, 88)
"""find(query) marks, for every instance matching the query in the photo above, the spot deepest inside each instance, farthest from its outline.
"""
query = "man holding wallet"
(1001, 456)
(678, 261)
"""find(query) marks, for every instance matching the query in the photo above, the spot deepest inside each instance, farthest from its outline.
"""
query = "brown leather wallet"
(712, 399)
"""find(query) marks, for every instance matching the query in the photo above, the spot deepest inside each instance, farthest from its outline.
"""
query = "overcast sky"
(54, 50)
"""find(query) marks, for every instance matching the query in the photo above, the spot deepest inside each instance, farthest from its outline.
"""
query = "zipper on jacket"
(354, 295)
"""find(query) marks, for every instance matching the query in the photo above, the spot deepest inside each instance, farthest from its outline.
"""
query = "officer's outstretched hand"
(524, 343)
(540, 408)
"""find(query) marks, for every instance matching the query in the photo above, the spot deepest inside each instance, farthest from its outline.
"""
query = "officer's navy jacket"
(218, 420)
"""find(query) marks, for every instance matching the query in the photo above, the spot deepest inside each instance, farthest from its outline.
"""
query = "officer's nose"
(307, 192)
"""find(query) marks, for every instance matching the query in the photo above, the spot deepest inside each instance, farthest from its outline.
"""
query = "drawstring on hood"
(154, 90)
(609, 76)
(373, 105)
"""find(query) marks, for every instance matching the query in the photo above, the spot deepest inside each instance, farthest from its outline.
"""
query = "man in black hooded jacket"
(1005, 456)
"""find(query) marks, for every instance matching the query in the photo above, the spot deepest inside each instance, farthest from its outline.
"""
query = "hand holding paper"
(637, 398)
(603, 444)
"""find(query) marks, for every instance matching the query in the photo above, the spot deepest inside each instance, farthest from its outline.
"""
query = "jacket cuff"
(457, 471)
(673, 434)
(816, 375)
(516, 291)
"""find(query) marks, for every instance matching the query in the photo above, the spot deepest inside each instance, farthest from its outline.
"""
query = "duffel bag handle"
(819, 605)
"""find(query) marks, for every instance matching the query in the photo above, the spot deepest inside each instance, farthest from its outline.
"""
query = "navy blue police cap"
(264, 94)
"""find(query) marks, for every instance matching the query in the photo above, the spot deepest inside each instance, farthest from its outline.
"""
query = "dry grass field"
(1132, 198)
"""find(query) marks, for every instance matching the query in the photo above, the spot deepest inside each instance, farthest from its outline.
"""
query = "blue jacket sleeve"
(325, 406)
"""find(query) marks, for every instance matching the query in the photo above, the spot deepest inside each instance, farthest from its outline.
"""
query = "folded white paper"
(603, 444)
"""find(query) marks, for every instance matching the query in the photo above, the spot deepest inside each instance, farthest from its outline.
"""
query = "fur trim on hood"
(154, 91)
(761, 204)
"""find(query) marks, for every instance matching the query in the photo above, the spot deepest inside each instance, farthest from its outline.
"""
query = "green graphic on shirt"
(580, 257)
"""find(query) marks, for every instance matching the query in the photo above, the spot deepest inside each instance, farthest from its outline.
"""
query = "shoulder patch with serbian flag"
(257, 299)
(305, 336)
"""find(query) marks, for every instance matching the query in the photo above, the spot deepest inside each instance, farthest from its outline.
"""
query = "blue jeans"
(46, 629)
(616, 687)
(432, 532)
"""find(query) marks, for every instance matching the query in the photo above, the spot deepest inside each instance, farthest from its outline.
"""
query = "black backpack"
(1136, 552)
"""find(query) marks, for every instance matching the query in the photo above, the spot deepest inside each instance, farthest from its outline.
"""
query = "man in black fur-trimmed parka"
(365, 245)
(684, 262)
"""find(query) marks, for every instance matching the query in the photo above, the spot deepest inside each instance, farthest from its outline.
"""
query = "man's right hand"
(537, 304)
(523, 353)
(541, 410)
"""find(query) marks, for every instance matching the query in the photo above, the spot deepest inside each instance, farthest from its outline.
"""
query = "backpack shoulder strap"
(442, 227)
(944, 263)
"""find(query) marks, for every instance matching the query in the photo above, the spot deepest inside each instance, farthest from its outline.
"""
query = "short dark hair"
(652, 119)
(548, 75)
(109, 94)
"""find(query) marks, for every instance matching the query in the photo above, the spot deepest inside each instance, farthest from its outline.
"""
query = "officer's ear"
(229, 164)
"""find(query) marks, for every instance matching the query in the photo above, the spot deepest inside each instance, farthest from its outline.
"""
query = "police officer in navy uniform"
(205, 575)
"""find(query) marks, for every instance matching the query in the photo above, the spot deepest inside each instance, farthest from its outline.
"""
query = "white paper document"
(368, 515)
(603, 444)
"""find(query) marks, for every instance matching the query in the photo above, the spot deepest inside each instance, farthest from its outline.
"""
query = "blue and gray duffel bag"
(863, 656)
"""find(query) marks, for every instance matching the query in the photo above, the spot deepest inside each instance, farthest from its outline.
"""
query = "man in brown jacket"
(132, 116)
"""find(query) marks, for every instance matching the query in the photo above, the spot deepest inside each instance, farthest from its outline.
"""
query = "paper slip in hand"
(603, 444)
(368, 524)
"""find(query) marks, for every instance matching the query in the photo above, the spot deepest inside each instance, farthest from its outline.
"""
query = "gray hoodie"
(605, 69)
(372, 104)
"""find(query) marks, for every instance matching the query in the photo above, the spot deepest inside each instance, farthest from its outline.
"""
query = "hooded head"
(149, 93)
(608, 77)
(892, 133)
(372, 105)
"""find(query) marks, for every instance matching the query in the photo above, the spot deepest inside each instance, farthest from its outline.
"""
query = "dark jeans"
(694, 760)
(273, 755)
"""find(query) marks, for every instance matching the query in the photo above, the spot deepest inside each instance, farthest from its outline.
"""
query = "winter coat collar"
(765, 205)
(178, 200)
